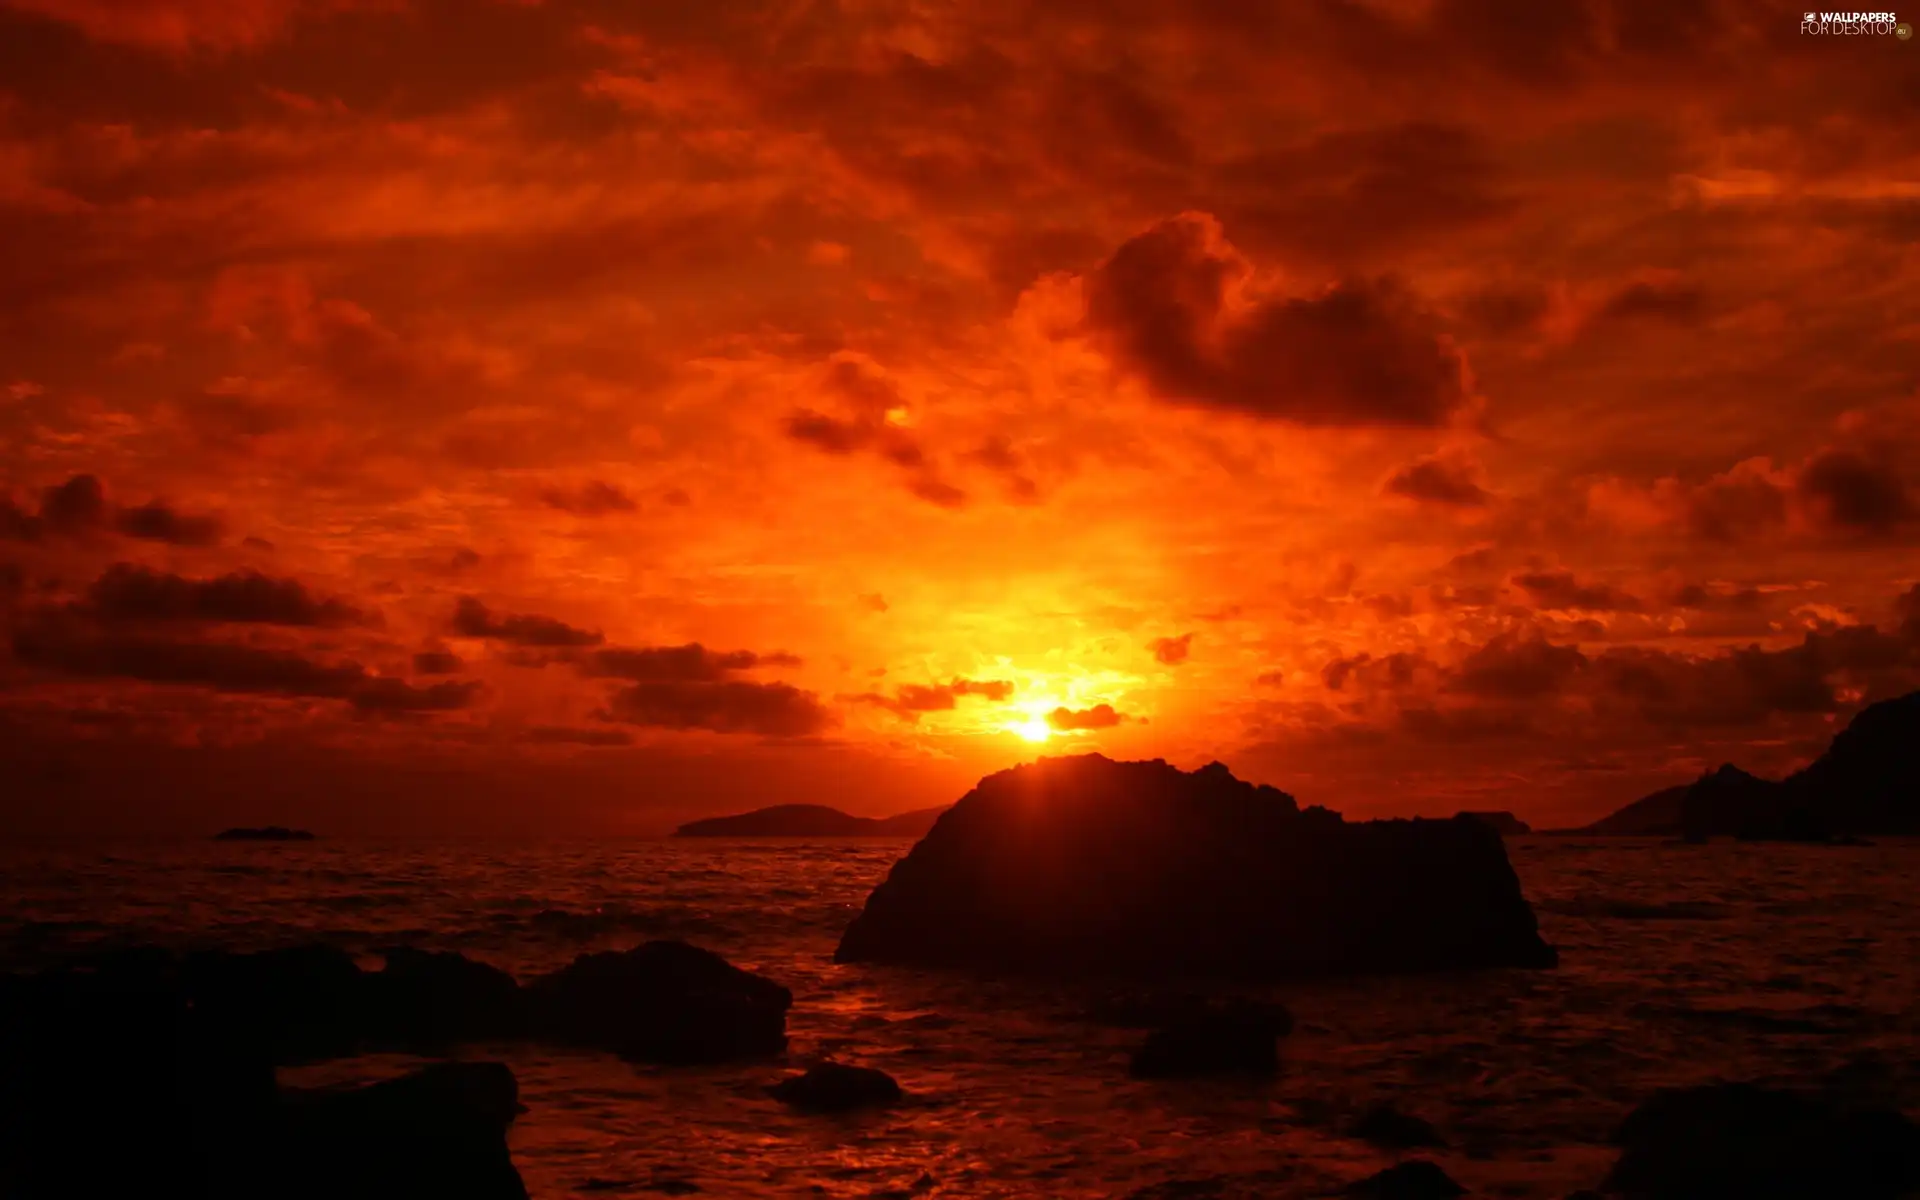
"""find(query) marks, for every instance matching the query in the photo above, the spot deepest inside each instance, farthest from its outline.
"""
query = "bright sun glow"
(1034, 729)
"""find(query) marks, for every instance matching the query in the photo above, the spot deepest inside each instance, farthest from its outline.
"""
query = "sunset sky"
(558, 416)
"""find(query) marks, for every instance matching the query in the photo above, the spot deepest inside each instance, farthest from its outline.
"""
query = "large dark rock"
(1085, 865)
(307, 1003)
(663, 1002)
(109, 1080)
(1730, 801)
(440, 1131)
(116, 1081)
(426, 1001)
(837, 1087)
(1867, 782)
(1231, 1039)
(1740, 1141)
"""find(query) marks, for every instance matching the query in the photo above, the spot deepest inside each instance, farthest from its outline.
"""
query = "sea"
(1679, 965)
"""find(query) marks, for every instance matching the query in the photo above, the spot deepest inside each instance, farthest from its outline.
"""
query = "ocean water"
(1680, 964)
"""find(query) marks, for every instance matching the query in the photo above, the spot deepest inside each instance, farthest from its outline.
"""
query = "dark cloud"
(593, 499)
(126, 592)
(1454, 725)
(388, 695)
(1735, 505)
(1505, 310)
(936, 492)
(77, 505)
(830, 434)
(1561, 590)
(473, 619)
(228, 667)
(1362, 194)
(156, 521)
(727, 706)
(1359, 353)
(1848, 491)
(1748, 685)
(1388, 672)
(997, 454)
(912, 699)
(1526, 682)
(1172, 650)
(16, 523)
(1673, 302)
(569, 735)
(1439, 480)
(1517, 667)
(1907, 605)
(437, 662)
(1700, 596)
(1100, 716)
(870, 399)
(80, 506)
(691, 663)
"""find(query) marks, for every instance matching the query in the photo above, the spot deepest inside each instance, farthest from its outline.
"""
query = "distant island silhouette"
(264, 833)
(1866, 783)
(812, 820)
(1090, 867)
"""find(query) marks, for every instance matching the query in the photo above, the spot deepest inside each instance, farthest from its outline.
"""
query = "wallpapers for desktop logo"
(1881, 24)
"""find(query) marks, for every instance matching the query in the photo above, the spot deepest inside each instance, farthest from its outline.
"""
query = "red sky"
(504, 414)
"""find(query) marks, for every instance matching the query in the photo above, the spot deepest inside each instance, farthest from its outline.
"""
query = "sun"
(1034, 729)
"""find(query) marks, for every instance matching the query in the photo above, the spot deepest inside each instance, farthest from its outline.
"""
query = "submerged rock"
(1385, 1125)
(1416, 1179)
(1739, 1140)
(837, 1087)
(1235, 1039)
(1084, 865)
(440, 1131)
(662, 1002)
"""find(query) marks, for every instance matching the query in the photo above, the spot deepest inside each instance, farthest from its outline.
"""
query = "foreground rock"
(837, 1087)
(812, 820)
(1738, 1140)
(1089, 866)
(115, 1082)
(438, 1132)
(1235, 1039)
(1867, 782)
(663, 1002)
(1414, 1180)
